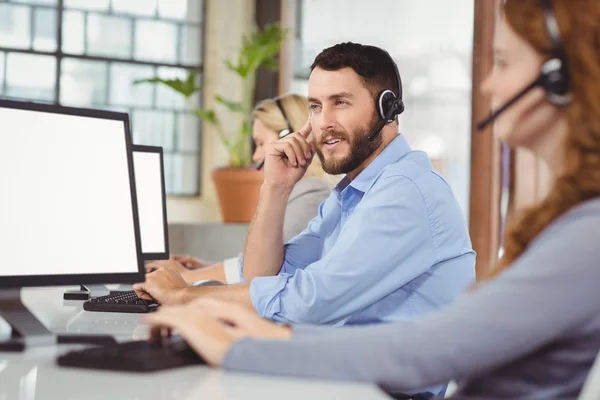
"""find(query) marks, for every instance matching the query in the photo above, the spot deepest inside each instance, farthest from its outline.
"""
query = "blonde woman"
(272, 119)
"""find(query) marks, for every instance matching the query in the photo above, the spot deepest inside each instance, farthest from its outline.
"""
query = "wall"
(226, 22)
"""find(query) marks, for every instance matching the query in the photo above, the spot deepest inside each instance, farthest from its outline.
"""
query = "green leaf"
(260, 48)
(207, 115)
(272, 64)
(246, 129)
(233, 106)
(184, 87)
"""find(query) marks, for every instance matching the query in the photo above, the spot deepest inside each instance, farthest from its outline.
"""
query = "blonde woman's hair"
(296, 109)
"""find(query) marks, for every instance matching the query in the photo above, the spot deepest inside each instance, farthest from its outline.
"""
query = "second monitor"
(148, 163)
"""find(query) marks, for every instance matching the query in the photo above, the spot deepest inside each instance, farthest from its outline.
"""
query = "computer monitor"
(152, 208)
(148, 162)
(68, 207)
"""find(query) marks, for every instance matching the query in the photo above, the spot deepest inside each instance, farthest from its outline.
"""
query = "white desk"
(33, 375)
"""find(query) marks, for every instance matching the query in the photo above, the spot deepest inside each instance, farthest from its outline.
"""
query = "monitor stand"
(28, 331)
(86, 292)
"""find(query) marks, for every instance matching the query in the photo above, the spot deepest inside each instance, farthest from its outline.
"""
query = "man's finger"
(306, 151)
(306, 129)
(287, 149)
(141, 292)
(300, 152)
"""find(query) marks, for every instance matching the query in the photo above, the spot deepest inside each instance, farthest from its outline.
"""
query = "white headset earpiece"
(284, 133)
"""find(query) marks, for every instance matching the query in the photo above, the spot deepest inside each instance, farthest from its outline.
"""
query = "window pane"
(122, 89)
(154, 128)
(190, 10)
(188, 134)
(72, 34)
(83, 83)
(45, 29)
(15, 26)
(191, 45)
(109, 36)
(135, 7)
(100, 5)
(183, 173)
(1, 70)
(156, 41)
(30, 76)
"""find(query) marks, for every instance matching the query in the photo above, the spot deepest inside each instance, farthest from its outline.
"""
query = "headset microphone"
(481, 125)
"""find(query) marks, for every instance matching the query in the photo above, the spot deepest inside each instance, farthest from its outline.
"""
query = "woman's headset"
(554, 75)
(289, 129)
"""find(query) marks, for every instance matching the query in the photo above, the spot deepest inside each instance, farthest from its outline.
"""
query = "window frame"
(59, 55)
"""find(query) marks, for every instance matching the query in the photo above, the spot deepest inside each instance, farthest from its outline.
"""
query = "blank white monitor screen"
(66, 204)
(148, 182)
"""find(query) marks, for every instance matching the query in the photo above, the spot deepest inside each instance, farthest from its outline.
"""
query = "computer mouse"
(207, 282)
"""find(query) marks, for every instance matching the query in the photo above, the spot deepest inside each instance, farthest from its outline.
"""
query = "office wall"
(226, 22)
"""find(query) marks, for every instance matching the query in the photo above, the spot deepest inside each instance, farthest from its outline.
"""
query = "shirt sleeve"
(385, 243)
(547, 295)
(231, 269)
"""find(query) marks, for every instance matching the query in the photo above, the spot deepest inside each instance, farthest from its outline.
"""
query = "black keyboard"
(138, 356)
(125, 302)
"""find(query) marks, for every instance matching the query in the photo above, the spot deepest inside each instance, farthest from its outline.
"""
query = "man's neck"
(387, 139)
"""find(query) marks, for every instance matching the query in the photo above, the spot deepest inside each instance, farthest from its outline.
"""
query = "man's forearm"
(263, 254)
(214, 272)
(240, 293)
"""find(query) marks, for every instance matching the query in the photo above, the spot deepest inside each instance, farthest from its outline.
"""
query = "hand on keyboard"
(165, 285)
(212, 326)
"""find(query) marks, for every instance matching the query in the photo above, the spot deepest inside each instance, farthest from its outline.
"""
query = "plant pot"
(238, 190)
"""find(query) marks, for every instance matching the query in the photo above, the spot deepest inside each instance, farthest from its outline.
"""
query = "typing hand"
(287, 159)
(206, 335)
(242, 320)
(211, 326)
(164, 285)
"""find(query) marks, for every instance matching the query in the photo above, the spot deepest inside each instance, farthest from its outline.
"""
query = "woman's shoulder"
(311, 186)
(573, 235)
(583, 218)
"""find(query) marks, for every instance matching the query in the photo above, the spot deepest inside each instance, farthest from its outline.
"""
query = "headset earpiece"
(284, 133)
(388, 106)
(554, 79)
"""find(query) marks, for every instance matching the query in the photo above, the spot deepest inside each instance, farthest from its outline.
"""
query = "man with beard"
(390, 242)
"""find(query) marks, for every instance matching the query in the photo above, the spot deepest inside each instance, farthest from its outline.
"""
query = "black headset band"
(552, 28)
(277, 101)
(396, 72)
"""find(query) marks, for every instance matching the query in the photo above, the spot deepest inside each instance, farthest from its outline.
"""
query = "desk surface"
(34, 374)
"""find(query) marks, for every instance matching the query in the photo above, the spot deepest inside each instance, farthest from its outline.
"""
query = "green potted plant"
(237, 184)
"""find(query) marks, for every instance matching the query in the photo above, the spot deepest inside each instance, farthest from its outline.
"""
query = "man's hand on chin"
(164, 285)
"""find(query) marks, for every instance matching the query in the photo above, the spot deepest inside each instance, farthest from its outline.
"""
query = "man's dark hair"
(369, 62)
